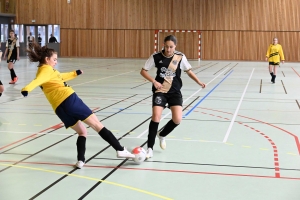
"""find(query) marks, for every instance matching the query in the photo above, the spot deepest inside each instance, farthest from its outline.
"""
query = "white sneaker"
(79, 164)
(149, 153)
(162, 141)
(125, 154)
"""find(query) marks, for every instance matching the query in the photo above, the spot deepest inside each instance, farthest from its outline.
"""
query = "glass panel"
(54, 31)
(4, 32)
(30, 34)
(18, 31)
(41, 35)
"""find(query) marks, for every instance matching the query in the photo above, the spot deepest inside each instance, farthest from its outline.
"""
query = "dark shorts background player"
(274, 56)
(1, 88)
(65, 102)
(166, 89)
(12, 54)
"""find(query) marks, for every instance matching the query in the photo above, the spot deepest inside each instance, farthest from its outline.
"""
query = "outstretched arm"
(193, 76)
(71, 75)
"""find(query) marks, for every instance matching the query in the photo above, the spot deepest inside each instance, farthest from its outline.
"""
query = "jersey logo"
(160, 61)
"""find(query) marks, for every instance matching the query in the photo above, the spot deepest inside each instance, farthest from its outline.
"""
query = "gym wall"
(231, 29)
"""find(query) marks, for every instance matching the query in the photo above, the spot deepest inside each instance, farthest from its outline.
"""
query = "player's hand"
(266, 59)
(24, 93)
(203, 85)
(18, 58)
(4, 57)
(282, 61)
(78, 72)
(157, 85)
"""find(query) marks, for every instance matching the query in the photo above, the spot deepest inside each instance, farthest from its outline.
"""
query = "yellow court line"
(90, 178)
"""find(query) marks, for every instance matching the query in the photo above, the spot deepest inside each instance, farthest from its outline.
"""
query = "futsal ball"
(140, 155)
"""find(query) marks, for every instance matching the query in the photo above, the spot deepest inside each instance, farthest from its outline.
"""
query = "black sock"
(81, 148)
(12, 74)
(110, 138)
(168, 128)
(272, 74)
(274, 77)
(153, 126)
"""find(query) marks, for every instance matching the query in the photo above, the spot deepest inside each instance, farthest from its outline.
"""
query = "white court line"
(237, 109)
(140, 135)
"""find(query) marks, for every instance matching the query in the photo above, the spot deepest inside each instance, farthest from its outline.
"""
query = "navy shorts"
(172, 99)
(72, 109)
(274, 63)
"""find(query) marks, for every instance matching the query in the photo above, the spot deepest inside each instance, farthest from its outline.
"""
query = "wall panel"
(232, 29)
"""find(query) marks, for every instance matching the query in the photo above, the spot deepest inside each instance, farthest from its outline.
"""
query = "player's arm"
(41, 78)
(193, 76)
(70, 75)
(268, 53)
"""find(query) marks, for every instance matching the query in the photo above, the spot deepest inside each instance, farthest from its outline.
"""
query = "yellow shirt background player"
(274, 56)
(275, 53)
(53, 84)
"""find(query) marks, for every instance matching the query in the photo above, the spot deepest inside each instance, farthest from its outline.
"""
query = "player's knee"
(177, 120)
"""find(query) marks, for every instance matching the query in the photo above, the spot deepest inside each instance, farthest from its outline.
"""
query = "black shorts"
(72, 109)
(274, 63)
(12, 59)
(161, 99)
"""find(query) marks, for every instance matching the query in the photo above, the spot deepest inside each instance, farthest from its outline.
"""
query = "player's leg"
(107, 135)
(274, 72)
(80, 129)
(271, 71)
(13, 75)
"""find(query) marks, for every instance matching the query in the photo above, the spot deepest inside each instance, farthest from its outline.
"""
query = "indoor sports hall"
(238, 138)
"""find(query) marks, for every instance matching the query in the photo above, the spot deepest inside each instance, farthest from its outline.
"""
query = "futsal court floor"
(238, 140)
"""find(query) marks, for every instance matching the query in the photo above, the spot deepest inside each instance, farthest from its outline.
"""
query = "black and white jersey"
(161, 62)
(12, 47)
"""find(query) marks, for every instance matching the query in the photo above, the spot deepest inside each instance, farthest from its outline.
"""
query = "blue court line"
(195, 106)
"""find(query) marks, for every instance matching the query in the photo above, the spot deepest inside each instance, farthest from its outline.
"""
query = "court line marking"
(160, 170)
(90, 178)
(237, 109)
(143, 133)
(195, 106)
(295, 71)
(277, 127)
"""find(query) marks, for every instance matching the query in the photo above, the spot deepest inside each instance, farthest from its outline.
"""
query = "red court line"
(163, 170)
(276, 161)
(35, 134)
(296, 72)
(295, 137)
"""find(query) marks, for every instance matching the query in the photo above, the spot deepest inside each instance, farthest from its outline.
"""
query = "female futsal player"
(65, 102)
(274, 56)
(166, 89)
(12, 52)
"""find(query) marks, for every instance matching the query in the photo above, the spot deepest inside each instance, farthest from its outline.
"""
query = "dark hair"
(171, 38)
(36, 53)
(12, 31)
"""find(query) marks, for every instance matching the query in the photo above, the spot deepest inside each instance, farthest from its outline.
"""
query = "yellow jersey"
(53, 84)
(275, 53)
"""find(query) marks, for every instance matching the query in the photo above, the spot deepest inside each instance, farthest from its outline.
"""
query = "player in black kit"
(166, 89)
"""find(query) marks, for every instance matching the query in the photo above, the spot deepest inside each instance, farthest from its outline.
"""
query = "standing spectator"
(274, 56)
(12, 51)
(40, 40)
(52, 39)
(30, 39)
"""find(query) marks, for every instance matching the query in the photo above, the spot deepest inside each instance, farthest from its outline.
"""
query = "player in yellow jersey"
(274, 56)
(65, 102)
